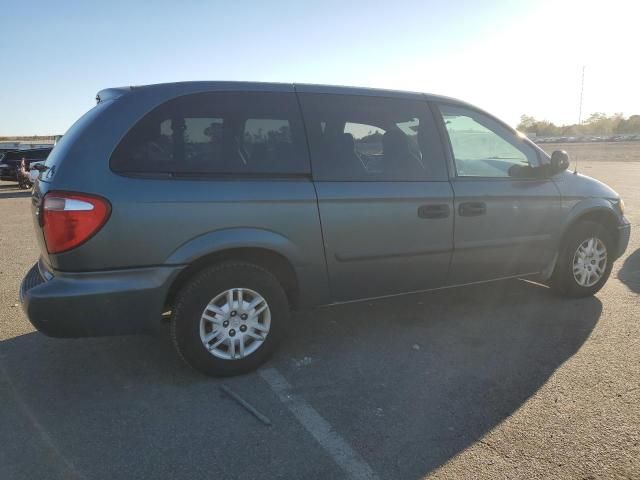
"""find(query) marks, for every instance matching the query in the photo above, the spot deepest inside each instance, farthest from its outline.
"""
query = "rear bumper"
(96, 303)
(624, 232)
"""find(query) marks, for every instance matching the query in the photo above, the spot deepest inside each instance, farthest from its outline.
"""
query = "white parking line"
(347, 458)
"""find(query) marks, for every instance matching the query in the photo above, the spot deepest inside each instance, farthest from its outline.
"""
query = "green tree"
(629, 125)
(597, 123)
(527, 124)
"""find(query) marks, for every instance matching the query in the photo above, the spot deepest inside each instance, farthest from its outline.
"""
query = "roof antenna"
(575, 170)
(581, 96)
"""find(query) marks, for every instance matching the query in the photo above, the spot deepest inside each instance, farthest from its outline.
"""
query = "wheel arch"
(599, 211)
(602, 214)
(270, 260)
(264, 248)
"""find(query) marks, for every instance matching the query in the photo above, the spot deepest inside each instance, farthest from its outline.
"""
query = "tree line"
(597, 124)
(28, 138)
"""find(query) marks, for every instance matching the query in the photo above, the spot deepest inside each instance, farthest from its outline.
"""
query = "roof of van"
(203, 86)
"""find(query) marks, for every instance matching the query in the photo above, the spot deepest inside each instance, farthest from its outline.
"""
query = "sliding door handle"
(472, 209)
(434, 211)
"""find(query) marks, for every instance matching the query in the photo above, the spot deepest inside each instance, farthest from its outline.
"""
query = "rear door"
(506, 214)
(383, 193)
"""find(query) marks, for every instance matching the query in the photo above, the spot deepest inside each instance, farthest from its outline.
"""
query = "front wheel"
(229, 318)
(584, 262)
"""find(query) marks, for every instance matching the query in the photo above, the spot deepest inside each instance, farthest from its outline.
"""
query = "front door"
(385, 203)
(506, 214)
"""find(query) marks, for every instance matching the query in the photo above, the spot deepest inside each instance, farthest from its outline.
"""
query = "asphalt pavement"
(502, 380)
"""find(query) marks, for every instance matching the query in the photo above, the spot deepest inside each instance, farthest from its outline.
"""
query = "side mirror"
(559, 161)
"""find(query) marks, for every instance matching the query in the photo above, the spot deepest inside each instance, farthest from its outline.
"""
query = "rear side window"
(217, 133)
(362, 138)
(367, 139)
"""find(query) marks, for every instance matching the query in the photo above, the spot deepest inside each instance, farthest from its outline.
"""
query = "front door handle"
(433, 211)
(472, 209)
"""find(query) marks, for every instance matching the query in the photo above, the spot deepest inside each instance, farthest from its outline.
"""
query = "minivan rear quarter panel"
(152, 218)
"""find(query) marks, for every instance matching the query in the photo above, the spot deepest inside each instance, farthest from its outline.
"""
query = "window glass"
(39, 154)
(227, 133)
(267, 142)
(367, 144)
(14, 155)
(362, 138)
(483, 148)
(367, 138)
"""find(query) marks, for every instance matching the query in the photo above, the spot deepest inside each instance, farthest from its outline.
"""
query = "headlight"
(621, 206)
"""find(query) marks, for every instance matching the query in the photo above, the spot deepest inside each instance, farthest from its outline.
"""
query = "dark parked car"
(228, 204)
(10, 161)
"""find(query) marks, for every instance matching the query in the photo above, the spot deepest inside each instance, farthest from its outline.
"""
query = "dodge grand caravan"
(229, 204)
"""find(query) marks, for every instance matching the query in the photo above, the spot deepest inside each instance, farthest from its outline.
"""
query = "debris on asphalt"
(302, 363)
(263, 418)
(415, 346)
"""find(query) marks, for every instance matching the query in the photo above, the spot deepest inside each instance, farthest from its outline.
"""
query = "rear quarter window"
(227, 133)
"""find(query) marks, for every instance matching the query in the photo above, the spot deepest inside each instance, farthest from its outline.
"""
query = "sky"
(507, 57)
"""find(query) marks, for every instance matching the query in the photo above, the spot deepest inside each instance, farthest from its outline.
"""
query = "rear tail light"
(70, 219)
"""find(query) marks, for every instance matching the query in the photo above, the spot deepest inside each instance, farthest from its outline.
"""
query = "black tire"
(199, 291)
(563, 281)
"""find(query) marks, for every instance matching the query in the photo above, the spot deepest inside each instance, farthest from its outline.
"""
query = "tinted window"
(367, 138)
(13, 156)
(226, 133)
(267, 141)
(39, 154)
(361, 138)
(28, 154)
(482, 147)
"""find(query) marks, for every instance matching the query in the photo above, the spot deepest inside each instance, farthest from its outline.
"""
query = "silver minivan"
(228, 204)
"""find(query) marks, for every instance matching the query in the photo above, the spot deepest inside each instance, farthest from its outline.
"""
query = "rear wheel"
(229, 318)
(584, 262)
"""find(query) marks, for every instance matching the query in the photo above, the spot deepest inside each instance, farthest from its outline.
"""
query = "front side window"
(482, 147)
(217, 133)
(362, 138)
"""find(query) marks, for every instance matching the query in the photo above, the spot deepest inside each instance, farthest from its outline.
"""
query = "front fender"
(578, 208)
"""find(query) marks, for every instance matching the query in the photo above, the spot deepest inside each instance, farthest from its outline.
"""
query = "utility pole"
(581, 95)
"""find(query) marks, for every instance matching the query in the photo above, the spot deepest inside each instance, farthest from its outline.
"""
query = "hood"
(583, 186)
